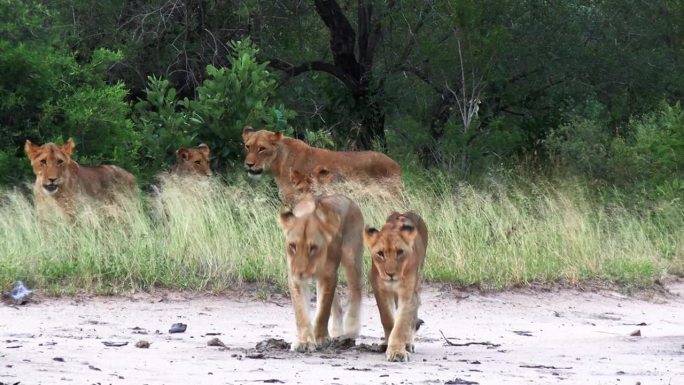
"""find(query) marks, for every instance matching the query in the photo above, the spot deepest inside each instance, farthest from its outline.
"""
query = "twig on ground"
(449, 343)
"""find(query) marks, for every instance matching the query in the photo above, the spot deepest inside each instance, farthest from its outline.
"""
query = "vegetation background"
(549, 135)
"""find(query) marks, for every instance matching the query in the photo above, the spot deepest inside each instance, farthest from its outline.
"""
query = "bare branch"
(294, 70)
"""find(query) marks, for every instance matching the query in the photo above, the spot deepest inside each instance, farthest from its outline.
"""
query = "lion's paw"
(410, 348)
(305, 347)
(397, 355)
(323, 342)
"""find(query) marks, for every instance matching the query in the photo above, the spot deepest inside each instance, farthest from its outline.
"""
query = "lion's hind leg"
(336, 316)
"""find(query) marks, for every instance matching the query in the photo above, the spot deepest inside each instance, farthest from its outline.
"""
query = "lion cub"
(398, 252)
(62, 183)
(192, 161)
(321, 233)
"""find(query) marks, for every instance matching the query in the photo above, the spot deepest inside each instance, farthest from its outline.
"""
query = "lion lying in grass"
(64, 184)
(397, 251)
(271, 151)
(192, 161)
(322, 233)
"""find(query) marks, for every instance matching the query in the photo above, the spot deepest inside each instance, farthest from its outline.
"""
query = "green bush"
(228, 100)
(651, 156)
(47, 95)
(647, 158)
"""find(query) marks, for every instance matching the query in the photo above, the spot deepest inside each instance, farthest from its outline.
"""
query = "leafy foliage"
(227, 101)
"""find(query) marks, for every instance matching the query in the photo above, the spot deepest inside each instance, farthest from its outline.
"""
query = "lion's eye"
(246, 147)
(292, 247)
(59, 161)
(43, 162)
(262, 149)
(380, 255)
(197, 162)
(312, 249)
(400, 254)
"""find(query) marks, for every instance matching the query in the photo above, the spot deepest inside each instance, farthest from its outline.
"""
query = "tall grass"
(212, 236)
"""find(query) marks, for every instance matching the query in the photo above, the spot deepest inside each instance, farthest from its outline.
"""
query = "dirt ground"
(523, 336)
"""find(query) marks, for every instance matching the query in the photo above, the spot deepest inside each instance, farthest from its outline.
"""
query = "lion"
(313, 182)
(63, 183)
(273, 152)
(397, 251)
(192, 161)
(321, 233)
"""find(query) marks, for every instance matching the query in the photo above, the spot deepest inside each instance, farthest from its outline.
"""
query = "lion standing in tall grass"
(63, 184)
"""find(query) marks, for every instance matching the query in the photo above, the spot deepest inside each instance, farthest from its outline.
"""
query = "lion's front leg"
(299, 291)
(401, 336)
(325, 292)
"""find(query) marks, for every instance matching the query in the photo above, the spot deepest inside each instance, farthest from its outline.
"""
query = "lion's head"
(318, 177)
(192, 161)
(308, 228)
(391, 246)
(261, 148)
(50, 163)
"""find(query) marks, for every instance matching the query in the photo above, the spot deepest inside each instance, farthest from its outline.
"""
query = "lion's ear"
(182, 154)
(286, 218)
(68, 147)
(408, 233)
(276, 137)
(247, 132)
(370, 235)
(204, 149)
(30, 149)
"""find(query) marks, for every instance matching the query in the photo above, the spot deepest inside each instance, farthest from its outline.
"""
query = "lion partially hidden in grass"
(62, 186)
(271, 151)
(397, 251)
(322, 233)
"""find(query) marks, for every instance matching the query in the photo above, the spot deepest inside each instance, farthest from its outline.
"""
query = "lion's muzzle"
(255, 173)
(50, 188)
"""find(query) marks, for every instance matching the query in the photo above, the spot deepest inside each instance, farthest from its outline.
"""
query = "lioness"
(61, 182)
(271, 151)
(192, 161)
(398, 252)
(320, 234)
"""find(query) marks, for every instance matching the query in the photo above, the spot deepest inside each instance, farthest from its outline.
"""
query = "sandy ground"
(536, 337)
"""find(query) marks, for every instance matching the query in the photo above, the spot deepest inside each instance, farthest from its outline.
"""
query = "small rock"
(178, 328)
(142, 344)
(216, 342)
(58, 359)
(114, 344)
(636, 333)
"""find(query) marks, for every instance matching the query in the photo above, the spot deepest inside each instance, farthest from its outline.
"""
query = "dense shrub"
(228, 100)
(646, 156)
(47, 95)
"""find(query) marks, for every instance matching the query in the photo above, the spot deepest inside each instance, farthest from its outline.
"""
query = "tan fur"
(62, 184)
(192, 161)
(271, 151)
(322, 233)
(314, 181)
(398, 252)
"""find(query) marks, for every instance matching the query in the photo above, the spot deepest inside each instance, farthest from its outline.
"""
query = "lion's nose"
(52, 180)
(390, 275)
(249, 164)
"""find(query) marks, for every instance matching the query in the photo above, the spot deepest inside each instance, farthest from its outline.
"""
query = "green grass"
(217, 236)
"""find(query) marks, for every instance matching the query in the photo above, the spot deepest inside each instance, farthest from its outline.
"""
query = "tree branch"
(294, 70)
(342, 36)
